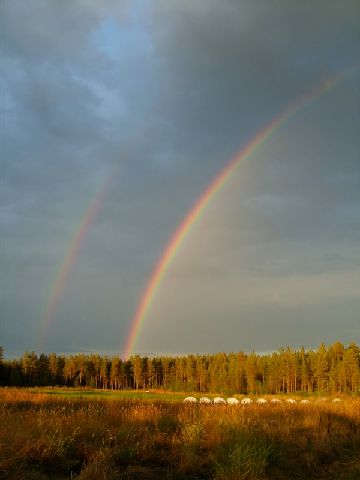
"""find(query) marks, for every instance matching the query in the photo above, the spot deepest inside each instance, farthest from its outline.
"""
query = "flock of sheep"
(244, 401)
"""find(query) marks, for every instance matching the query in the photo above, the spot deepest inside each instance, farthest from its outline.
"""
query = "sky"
(118, 115)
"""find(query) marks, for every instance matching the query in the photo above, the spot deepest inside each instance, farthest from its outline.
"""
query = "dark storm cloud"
(168, 92)
(216, 53)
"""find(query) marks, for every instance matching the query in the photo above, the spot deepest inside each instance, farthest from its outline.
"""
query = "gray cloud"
(168, 92)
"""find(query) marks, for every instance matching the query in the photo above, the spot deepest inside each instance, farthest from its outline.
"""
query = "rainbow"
(72, 252)
(202, 203)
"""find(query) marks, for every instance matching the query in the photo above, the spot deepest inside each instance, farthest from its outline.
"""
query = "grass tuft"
(245, 457)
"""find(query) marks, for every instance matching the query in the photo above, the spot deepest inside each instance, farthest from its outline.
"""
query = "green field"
(110, 394)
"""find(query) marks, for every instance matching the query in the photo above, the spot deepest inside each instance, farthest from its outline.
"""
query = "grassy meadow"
(84, 434)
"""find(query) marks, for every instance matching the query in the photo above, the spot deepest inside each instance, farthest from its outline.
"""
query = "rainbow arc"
(72, 252)
(202, 203)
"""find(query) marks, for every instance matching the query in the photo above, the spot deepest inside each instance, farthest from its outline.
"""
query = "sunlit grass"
(59, 436)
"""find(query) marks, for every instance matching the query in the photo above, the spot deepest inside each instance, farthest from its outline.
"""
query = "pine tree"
(137, 370)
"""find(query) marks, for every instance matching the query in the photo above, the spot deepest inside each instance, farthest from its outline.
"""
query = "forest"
(326, 370)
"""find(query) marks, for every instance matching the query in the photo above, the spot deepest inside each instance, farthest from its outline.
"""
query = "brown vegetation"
(46, 437)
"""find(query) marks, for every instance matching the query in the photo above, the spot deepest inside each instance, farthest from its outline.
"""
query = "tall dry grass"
(44, 437)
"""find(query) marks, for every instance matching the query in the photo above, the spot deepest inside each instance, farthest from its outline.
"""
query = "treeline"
(327, 370)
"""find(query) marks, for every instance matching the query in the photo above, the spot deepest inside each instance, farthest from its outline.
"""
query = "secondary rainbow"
(77, 241)
(202, 203)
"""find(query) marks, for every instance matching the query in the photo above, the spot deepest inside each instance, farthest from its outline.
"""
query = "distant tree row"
(327, 370)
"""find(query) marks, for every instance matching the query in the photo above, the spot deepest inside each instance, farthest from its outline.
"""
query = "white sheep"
(218, 401)
(261, 400)
(205, 400)
(305, 401)
(276, 400)
(336, 400)
(291, 400)
(246, 401)
(190, 400)
(232, 401)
